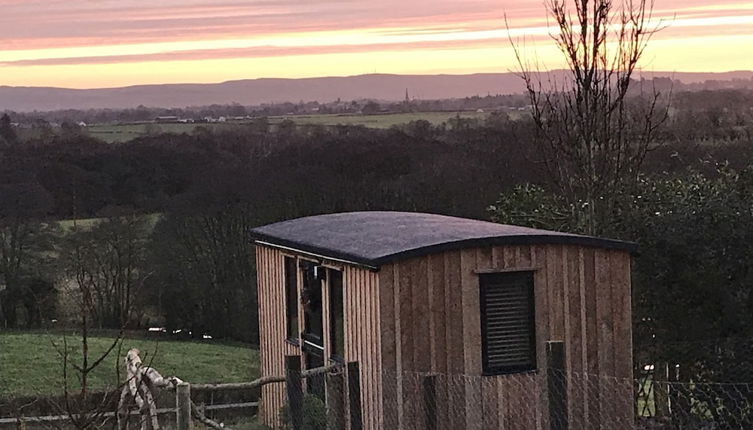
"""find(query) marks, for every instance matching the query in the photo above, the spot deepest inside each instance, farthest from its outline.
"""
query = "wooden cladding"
(357, 338)
(273, 346)
(363, 339)
(422, 316)
(431, 323)
(508, 332)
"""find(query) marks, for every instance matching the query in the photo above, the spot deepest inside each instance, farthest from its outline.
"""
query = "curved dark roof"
(376, 238)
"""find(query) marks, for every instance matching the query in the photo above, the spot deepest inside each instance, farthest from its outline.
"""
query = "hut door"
(313, 331)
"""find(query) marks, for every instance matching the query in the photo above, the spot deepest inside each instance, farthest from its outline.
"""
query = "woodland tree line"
(171, 242)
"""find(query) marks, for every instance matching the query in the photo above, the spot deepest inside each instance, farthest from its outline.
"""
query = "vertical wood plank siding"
(363, 339)
(361, 306)
(421, 316)
(273, 347)
(429, 311)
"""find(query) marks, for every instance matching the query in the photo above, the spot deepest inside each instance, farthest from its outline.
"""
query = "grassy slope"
(88, 223)
(31, 366)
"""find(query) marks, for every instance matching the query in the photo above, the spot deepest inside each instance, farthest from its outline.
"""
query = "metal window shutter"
(507, 321)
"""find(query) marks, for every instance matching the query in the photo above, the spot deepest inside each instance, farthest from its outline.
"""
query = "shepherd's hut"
(454, 323)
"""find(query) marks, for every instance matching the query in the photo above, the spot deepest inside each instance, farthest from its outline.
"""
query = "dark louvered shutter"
(507, 322)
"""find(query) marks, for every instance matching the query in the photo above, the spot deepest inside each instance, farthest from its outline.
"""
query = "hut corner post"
(335, 384)
(294, 385)
(557, 385)
(354, 395)
(429, 388)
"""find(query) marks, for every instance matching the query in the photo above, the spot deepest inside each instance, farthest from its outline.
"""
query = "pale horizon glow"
(85, 44)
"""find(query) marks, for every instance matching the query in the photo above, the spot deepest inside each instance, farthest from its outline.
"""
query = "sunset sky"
(104, 43)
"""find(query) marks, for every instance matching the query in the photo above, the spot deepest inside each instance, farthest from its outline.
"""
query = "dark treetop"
(377, 238)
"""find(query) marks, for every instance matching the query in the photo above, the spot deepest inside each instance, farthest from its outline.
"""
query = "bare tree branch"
(593, 130)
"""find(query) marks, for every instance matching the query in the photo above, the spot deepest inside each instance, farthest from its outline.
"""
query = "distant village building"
(166, 119)
(407, 105)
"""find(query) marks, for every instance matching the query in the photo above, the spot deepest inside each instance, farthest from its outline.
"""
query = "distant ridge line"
(388, 87)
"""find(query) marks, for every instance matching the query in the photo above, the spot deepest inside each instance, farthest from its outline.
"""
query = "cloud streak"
(255, 52)
(87, 34)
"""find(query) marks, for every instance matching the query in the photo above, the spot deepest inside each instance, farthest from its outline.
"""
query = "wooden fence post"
(335, 401)
(293, 382)
(183, 406)
(354, 396)
(557, 385)
(660, 385)
(430, 401)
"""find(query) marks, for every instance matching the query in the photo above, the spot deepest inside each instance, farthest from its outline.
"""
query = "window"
(336, 319)
(507, 322)
(313, 325)
(311, 298)
(291, 298)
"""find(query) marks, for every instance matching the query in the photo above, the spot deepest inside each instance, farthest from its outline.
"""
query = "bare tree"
(107, 264)
(204, 265)
(26, 240)
(592, 129)
(104, 267)
(83, 408)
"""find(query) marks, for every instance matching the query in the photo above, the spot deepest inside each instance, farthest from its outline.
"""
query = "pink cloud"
(36, 21)
(256, 52)
(46, 24)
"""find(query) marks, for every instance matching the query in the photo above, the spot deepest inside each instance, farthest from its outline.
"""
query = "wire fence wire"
(675, 386)
(547, 400)
(695, 384)
(718, 360)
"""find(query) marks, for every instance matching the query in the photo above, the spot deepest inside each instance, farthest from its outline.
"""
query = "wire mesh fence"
(698, 405)
(695, 384)
(677, 386)
(442, 401)
(547, 400)
(716, 360)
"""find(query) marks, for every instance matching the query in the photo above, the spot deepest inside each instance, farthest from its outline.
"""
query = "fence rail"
(234, 409)
(160, 411)
(185, 408)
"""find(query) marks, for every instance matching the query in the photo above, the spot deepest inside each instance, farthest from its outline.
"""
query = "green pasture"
(378, 121)
(31, 365)
(116, 133)
(67, 225)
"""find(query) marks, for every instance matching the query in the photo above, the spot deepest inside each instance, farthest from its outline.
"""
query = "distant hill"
(272, 90)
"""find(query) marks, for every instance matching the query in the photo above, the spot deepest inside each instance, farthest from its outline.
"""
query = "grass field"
(30, 364)
(67, 225)
(379, 121)
(119, 133)
(126, 132)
